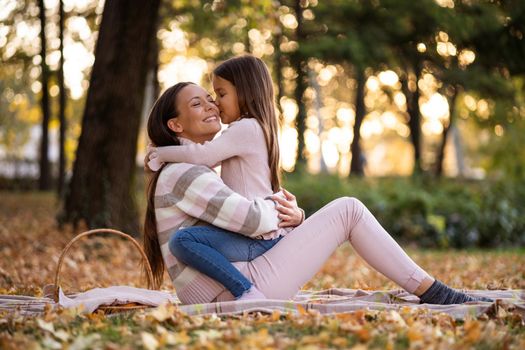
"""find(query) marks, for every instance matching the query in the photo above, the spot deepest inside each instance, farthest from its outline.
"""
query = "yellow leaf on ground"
(301, 310)
(46, 326)
(340, 342)
(472, 331)
(178, 338)
(414, 334)
(363, 334)
(149, 341)
(276, 315)
(162, 312)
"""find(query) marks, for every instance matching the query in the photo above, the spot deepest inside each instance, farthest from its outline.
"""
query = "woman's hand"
(289, 212)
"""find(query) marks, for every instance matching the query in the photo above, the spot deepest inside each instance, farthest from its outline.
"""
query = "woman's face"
(198, 118)
(226, 99)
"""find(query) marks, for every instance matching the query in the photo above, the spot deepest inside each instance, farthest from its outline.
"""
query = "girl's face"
(226, 99)
(198, 118)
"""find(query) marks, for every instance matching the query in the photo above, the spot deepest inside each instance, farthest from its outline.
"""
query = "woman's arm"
(234, 141)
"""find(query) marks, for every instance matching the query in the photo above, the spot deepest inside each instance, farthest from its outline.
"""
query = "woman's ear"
(174, 125)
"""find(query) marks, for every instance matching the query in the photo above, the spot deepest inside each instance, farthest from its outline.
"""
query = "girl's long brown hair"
(164, 109)
(254, 86)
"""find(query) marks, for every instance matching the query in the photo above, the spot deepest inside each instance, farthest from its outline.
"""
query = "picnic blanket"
(96, 297)
(328, 301)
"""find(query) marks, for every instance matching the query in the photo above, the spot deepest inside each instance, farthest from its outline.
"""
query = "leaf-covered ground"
(30, 244)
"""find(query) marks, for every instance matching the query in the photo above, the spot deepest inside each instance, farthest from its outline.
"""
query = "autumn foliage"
(30, 244)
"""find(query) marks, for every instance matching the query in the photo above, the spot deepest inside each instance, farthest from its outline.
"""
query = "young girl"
(248, 152)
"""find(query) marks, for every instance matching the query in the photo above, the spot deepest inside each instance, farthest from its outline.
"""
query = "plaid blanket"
(328, 301)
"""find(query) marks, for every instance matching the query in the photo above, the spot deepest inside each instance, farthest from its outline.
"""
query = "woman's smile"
(211, 119)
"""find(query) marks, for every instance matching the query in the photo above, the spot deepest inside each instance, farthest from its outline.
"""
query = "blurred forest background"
(415, 107)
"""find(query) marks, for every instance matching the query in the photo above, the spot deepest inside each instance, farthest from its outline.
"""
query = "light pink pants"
(283, 270)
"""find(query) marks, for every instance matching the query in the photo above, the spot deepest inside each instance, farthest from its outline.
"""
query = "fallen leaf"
(46, 326)
(301, 310)
(276, 315)
(162, 312)
(149, 341)
(61, 335)
(85, 342)
(472, 330)
(51, 343)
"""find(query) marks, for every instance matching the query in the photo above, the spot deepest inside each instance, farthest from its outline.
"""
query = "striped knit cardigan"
(186, 194)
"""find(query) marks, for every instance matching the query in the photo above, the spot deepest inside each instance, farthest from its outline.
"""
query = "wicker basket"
(106, 309)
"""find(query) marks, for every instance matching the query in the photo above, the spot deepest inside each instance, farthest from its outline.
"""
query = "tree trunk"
(152, 88)
(298, 64)
(247, 43)
(155, 64)
(441, 150)
(357, 163)
(278, 57)
(62, 107)
(414, 116)
(458, 147)
(278, 66)
(44, 182)
(101, 191)
(318, 104)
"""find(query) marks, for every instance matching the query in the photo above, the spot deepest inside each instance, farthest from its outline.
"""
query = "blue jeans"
(211, 250)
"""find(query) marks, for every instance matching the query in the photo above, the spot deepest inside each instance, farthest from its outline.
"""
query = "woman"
(244, 92)
(180, 195)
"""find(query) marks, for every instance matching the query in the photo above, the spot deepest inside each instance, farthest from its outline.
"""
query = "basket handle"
(92, 232)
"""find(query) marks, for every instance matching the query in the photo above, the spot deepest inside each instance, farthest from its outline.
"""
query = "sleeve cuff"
(304, 215)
